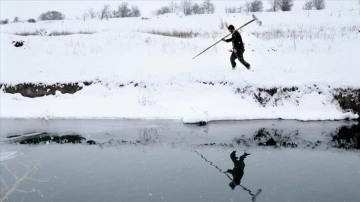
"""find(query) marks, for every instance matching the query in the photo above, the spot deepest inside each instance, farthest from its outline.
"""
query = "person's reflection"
(238, 171)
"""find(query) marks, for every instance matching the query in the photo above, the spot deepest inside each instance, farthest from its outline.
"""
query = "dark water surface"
(162, 160)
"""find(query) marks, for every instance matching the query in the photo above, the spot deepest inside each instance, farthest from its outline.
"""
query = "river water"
(166, 160)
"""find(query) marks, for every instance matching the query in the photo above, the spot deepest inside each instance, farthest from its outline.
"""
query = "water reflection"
(46, 138)
(13, 178)
(116, 161)
(237, 172)
(345, 137)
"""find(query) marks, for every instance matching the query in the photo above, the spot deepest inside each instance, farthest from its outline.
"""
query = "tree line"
(122, 11)
(275, 5)
(187, 7)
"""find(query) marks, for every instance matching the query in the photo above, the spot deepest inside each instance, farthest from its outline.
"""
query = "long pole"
(224, 37)
(253, 198)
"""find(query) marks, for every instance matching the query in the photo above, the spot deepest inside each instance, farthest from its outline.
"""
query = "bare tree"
(186, 6)
(319, 4)
(123, 10)
(91, 13)
(208, 7)
(273, 4)
(135, 12)
(31, 20)
(285, 5)
(52, 15)
(254, 6)
(16, 19)
(4, 22)
(196, 9)
(163, 10)
(84, 16)
(234, 9)
(105, 12)
(173, 7)
(230, 10)
(15, 178)
(308, 5)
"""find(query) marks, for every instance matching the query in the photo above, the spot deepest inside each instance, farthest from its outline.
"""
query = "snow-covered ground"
(315, 51)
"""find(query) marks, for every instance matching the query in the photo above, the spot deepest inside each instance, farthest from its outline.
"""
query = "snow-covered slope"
(314, 51)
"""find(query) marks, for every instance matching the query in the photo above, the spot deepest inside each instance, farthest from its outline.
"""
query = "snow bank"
(190, 102)
(292, 49)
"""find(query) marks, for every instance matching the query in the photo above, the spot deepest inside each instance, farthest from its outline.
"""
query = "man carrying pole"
(238, 170)
(238, 48)
(238, 45)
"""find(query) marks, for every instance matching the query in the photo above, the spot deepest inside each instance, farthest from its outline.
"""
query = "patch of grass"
(174, 33)
(303, 33)
(25, 33)
(55, 33)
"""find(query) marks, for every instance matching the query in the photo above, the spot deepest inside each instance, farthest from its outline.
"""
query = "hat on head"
(231, 27)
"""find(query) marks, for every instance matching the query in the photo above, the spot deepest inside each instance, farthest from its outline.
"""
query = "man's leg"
(233, 57)
(233, 157)
(241, 58)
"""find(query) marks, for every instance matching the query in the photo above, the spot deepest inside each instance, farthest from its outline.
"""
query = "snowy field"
(137, 73)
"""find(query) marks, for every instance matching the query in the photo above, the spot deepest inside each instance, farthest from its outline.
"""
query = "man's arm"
(242, 157)
(226, 40)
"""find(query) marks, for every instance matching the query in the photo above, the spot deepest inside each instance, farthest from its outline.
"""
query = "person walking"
(238, 48)
(238, 170)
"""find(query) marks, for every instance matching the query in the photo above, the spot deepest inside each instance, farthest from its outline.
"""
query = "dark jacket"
(236, 39)
(239, 165)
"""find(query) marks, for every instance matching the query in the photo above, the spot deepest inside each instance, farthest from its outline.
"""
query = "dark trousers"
(239, 54)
